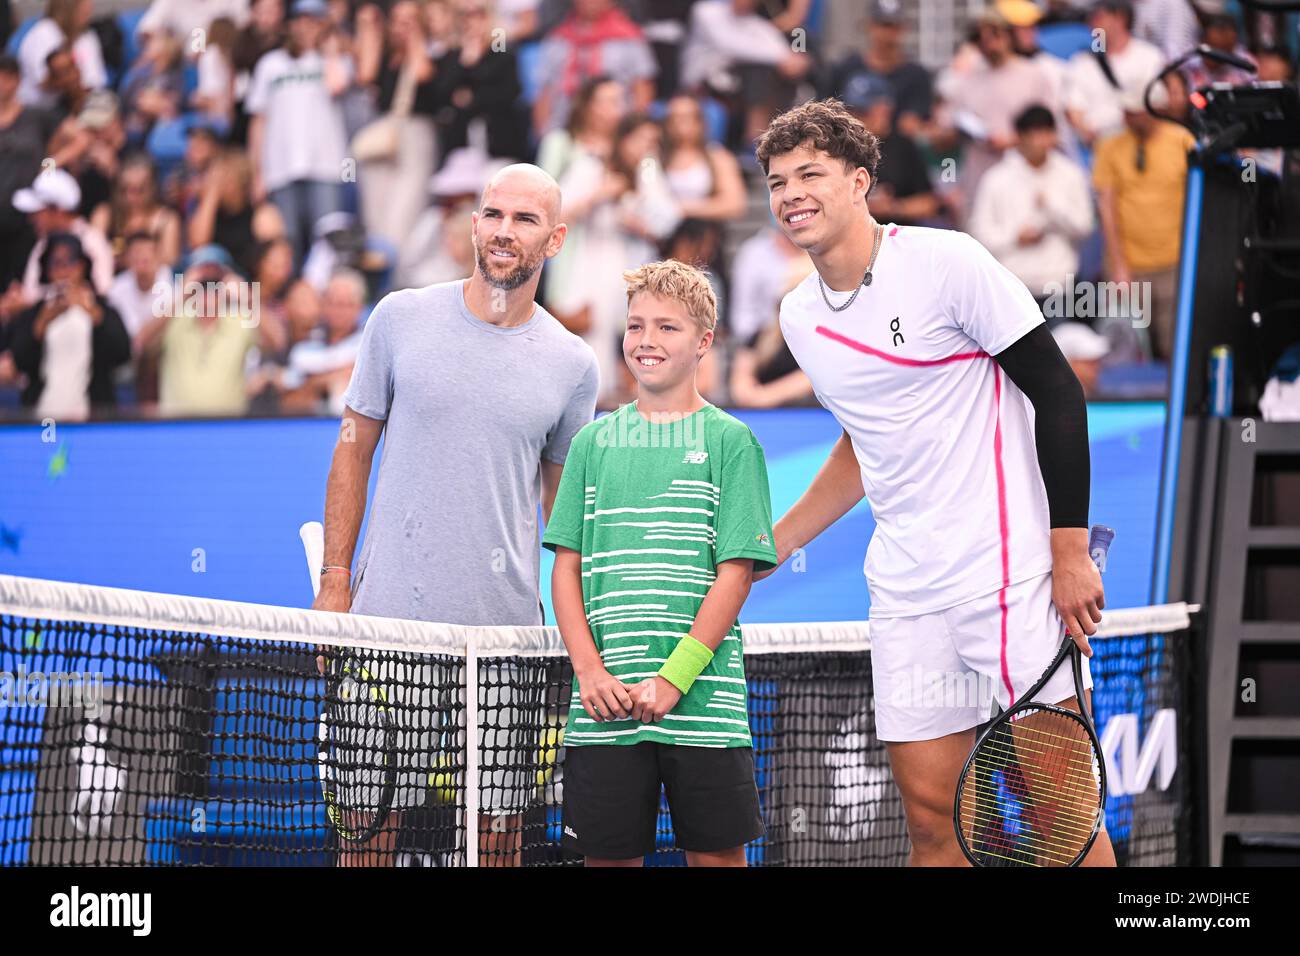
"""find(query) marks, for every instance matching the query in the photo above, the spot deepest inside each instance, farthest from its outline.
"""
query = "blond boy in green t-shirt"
(661, 517)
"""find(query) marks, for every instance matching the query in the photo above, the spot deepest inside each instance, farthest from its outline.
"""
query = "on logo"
(897, 328)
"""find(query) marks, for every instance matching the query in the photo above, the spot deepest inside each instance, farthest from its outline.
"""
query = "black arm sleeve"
(1039, 370)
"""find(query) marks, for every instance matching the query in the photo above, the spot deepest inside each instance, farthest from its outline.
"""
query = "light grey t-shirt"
(471, 411)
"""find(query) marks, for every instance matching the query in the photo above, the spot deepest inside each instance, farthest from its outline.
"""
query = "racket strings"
(1032, 793)
(1032, 831)
(989, 797)
(1068, 771)
(1064, 750)
(1082, 769)
(1051, 847)
(1038, 763)
(1042, 843)
(1027, 852)
(359, 761)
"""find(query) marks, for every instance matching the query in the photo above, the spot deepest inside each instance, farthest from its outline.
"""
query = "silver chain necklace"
(866, 276)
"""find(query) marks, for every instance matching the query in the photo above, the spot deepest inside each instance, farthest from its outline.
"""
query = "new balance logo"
(695, 458)
(568, 831)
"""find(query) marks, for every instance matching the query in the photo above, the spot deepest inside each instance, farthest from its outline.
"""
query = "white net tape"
(61, 601)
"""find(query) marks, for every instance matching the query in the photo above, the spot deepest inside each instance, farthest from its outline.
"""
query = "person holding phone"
(69, 343)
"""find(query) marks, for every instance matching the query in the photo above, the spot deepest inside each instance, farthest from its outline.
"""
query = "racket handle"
(1099, 539)
(313, 542)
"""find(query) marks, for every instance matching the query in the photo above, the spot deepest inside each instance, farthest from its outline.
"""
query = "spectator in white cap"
(1084, 349)
(51, 204)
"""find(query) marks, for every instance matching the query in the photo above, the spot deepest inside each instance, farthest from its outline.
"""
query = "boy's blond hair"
(680, 282)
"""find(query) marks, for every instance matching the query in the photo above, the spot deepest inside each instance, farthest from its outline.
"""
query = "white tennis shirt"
(943, 438)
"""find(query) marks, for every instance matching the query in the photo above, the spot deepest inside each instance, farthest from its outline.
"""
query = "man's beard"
(524, 269)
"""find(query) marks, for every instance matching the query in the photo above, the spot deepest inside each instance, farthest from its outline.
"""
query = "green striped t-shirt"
(653, 507)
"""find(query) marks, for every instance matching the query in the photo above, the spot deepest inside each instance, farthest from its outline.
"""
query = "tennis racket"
(357, 735)
(357, 757)
(1033, 791)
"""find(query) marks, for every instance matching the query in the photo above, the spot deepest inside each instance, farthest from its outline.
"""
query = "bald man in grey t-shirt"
(477, 417)
(478, 392)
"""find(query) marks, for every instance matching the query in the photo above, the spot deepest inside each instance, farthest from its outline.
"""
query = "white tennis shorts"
(937, 674)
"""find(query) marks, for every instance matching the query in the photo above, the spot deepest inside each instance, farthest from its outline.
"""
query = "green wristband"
(685, 663)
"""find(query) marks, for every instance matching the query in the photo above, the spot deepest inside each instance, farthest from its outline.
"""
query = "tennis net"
(151, 729)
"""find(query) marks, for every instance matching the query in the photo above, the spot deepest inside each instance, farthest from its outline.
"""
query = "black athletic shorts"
(611, 798)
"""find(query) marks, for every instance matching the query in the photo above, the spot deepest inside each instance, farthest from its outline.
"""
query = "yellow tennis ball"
(548, 754)
(442, 781)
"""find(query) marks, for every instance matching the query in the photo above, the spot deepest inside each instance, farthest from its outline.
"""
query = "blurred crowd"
(200, 200)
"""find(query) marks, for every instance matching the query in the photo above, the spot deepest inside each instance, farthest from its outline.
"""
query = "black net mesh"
(1141, 687)
(132, 746)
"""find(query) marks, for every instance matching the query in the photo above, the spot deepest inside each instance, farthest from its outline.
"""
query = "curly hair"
(825, 125)
(680, 282)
